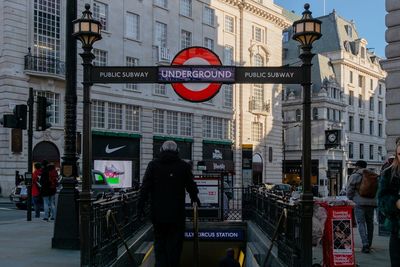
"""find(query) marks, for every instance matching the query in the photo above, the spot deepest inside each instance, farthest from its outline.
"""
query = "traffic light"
(42, 115)
(20, 112)
(9, 121)
(16, 120)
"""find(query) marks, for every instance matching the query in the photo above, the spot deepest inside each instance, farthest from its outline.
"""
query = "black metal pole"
(66, 228)
(307, 200)
(30, 136)
(85, 196)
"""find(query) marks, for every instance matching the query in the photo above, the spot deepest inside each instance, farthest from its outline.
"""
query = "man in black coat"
(165, 180)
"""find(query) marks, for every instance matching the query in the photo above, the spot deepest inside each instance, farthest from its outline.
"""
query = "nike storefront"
(117, 156)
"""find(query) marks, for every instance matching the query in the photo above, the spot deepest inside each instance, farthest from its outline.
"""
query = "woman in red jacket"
(36, 190)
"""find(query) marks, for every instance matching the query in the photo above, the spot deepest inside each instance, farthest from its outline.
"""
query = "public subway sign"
(196, 74)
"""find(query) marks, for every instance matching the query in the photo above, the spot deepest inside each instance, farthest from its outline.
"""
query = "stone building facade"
(147, 33)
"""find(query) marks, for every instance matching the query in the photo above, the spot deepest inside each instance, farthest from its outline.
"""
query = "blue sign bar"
(231, 235)
(196, 74)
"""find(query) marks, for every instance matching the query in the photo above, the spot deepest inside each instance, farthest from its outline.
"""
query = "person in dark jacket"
(389, 205)
(165, 181)
(229, 259)
(364, 208)
(48, 190)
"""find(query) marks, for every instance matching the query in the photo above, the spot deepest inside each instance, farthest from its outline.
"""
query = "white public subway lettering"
(141, 74)
(269, 74)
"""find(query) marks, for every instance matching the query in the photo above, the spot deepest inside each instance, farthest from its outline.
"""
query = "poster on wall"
(208, 193)
(117, 172)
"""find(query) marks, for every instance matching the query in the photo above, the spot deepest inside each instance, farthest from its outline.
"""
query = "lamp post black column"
(66, 227)
(87, 30)
(306, 31)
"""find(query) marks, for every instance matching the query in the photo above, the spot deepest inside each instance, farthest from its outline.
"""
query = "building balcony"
(259, 107)
(44, 66)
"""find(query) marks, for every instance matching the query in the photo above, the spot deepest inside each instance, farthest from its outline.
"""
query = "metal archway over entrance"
(46, 151)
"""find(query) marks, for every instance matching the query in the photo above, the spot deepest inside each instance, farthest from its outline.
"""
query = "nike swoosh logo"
(111, 150)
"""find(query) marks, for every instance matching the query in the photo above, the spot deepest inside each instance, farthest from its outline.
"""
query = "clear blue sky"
(368, 15)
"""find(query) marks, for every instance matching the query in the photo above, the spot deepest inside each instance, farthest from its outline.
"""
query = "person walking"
(229, 259)
(48, 191)
(389, 205)
(364, 208)
(165, 181)
(36, 197)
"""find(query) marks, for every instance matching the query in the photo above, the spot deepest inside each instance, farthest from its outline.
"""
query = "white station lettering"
(124, 74)
(268, 74)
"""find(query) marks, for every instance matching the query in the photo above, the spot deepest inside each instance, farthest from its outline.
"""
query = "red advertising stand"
(338, 239)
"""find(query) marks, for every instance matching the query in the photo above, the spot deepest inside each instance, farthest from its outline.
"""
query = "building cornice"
(269, 15)
(377, 74)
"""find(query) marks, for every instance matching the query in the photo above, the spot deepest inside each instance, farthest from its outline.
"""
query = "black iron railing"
(44, 64)
(265, 209)
(109, 234)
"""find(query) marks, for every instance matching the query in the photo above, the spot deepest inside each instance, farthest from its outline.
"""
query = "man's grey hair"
(169, 146)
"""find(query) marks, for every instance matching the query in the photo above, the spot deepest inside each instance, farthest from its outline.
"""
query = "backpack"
(369, 184)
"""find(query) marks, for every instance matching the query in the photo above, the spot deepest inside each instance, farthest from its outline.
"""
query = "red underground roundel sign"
(196, 92)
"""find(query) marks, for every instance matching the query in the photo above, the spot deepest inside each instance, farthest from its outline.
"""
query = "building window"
(98, 114)
(361, 151)
(158, 121)
(371, 84)
(361, 125)
(132, 26)
(160, 89)
(186, 8)
(186, 124)
(54, 109)
(361, 81)
(298, 115)
(131, 62)
(371, 127)
(371, 103)
(351, 150)
(208, 16)
(161, 3)
(228, 55)
(380, 129)
(256, 131)
(207, 120)
(351, 123)
(351, 98)
(258, 34)
(186, 39)
(228, 95)
(380, 88)
(100, 57)
(258, 96)
(132, 118)
(380, 153)
(172, 122)
(229, 24)
(270, 154)
(371, 152)
(46, 39)
(209, 43)
(114, 116)
(217, 128)
(315, 113)
(285, 37)
(351, 76)
(380, 107)
(160, 34)
(258, 60)
(360, 105)
(349, 30)
(100, 13)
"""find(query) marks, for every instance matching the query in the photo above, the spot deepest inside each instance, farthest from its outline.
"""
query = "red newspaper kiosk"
(338, 239)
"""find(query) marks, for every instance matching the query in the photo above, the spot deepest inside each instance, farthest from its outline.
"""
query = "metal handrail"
(195, 236)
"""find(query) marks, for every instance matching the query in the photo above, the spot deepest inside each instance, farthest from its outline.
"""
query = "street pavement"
(28, 244)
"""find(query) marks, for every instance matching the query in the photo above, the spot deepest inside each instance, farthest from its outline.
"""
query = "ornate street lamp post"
(87, 30)
(306, 31)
